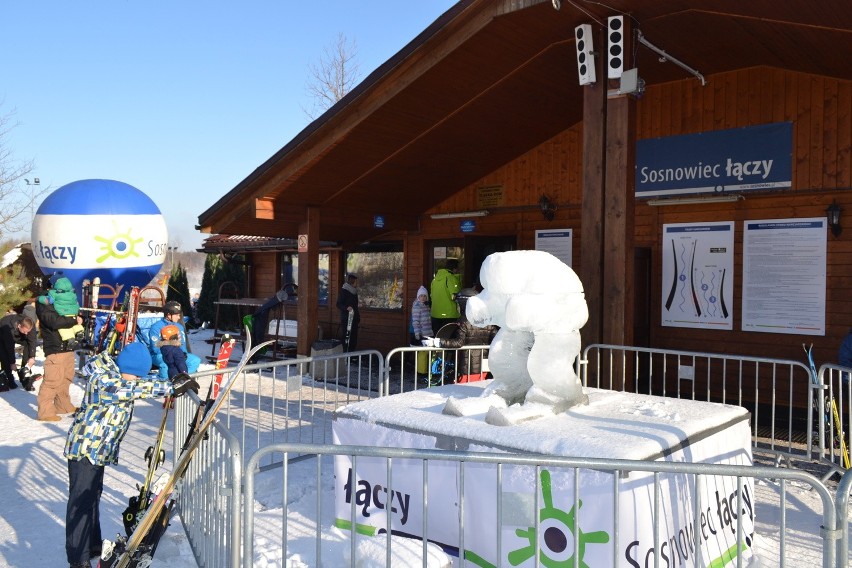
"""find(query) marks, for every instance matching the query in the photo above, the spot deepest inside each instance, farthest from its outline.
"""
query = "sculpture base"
(613, 425)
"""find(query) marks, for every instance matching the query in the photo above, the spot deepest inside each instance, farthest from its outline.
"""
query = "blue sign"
(378, 221)
(739, 159)
(468, 226)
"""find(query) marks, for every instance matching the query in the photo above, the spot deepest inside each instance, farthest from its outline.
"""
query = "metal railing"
(696, 475)
(779, 393)
(412, 368)
(209, 495)
(290, 404)
(834, 405)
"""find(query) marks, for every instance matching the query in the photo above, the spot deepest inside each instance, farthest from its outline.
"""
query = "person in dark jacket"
(15, 329)
(59, 362)
(469, 360)
(347, 303)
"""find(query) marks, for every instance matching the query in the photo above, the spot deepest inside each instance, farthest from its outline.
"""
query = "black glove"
(182, 383)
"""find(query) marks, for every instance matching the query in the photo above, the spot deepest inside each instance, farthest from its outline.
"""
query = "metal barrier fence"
(778, 392)
(545, 523)
(413, 368)
(291, 402)
(285, 401)
(834, 404)
(210, 496)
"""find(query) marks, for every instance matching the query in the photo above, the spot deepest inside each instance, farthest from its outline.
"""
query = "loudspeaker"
(585, 58)
(615, 51)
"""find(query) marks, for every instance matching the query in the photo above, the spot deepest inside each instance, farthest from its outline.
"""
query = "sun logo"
(120, 246)
(557, 535)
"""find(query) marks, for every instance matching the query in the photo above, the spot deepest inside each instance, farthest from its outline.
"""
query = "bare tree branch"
(333, 76)
(15, 198)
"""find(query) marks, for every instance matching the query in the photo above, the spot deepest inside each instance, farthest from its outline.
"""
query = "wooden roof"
(490, 80)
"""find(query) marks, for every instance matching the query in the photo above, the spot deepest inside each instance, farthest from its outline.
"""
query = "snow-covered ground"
(33, 499)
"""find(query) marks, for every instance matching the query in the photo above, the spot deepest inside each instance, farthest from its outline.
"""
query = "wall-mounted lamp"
(833, 212)
(547, 208)
(461, 214)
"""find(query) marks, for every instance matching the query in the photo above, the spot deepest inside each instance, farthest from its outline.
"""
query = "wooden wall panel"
(821, 111)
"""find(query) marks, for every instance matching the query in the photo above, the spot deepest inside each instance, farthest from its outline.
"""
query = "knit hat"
(423, 292)
(134, 359)
(169, 332)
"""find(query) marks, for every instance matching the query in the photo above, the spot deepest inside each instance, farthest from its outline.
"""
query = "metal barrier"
(778, 392)
(285, 401)
(209, 495)
(412, 368)
(697, 473)
(283, 410)
(835, 406)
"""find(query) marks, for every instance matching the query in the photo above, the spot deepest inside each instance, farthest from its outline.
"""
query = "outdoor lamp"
(833, 212)
(547, 208)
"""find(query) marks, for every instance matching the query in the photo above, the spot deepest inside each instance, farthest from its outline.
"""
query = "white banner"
(587, 518)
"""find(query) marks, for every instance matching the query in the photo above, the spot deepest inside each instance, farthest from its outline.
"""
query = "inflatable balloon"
(103, 228)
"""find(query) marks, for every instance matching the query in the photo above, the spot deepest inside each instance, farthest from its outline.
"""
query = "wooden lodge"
(477, 134)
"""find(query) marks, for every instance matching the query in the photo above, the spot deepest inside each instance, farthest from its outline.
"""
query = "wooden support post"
(308, 281)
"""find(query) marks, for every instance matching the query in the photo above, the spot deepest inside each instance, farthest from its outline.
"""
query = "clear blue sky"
(180, 99)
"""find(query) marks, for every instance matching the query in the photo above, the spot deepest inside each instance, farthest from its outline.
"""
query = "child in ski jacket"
(421, 316)
(170, 348)
(172, 315)
(64, 301)
(94, 438)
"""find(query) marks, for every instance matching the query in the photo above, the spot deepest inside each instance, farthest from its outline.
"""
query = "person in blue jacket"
(173, 315)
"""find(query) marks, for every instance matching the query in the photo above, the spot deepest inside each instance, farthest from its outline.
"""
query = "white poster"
(784, 272)
(698, 275)
(555, 241)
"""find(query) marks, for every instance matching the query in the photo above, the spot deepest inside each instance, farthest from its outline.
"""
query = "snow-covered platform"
(614, 425)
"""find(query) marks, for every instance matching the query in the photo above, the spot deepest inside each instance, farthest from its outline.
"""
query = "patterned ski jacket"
(105, 413)
(421, 319)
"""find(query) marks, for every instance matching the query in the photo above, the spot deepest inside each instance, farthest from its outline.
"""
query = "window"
(379, 278)
(290, 274)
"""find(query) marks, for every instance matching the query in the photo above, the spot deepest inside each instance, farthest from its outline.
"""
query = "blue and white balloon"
(100, 228)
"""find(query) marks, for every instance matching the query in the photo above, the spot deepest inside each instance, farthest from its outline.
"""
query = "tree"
(14, 284)
(178, 289)
(216, 272)
(335, 75)
(15, 201)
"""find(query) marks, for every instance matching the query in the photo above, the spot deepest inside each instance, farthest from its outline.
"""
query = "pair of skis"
(832, 419)
(137, 550)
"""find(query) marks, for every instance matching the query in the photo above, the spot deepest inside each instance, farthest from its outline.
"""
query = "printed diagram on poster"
(784, 274)
(557, 242)
(698, 275)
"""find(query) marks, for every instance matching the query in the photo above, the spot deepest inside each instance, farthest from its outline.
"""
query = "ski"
(831, 420)
(222, 360)
(137, 550)
(155, 456)
(348, 330)
(131, 316)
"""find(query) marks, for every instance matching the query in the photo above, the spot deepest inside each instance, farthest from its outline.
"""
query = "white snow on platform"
(613, 424)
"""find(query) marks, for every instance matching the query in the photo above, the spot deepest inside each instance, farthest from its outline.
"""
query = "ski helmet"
(172, 308)
(170, 332)
(462, 296)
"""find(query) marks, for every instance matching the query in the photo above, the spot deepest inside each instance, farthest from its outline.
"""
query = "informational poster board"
(698, 275)
(557, 242)
(784, 273)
